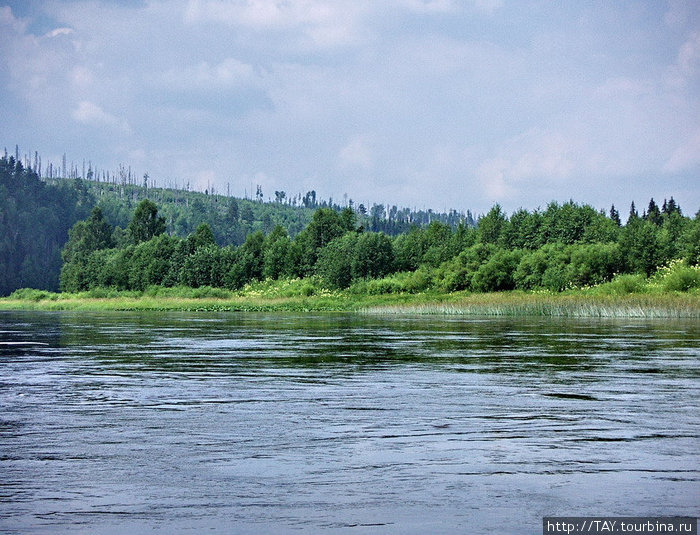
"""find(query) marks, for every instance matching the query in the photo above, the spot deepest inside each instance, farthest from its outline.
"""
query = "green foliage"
(34, 221)
(492, 225)
(146, 222)
(335, 261)
(87, 236)
(247, 262)
(206, 266)
(523, 230)
(640, 247)
(623, 285)
(30, 294)
(277, 259)
(410, 249)
(434, 258)
(682, 280)
(496, 274)
(677, 276)
(690, 241)
(202, 237)
(373, 256)
(592, 264)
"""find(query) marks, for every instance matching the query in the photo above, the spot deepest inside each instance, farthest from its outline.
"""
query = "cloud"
(58, 32)
(323, 23)
(436, 103)
(686, 157)
(229, 73)
(430, 6)
(357, 153)
(689, 55)
(91, 114)
(528, 160)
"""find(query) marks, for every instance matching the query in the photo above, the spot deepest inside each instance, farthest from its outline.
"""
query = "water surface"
(280, 423)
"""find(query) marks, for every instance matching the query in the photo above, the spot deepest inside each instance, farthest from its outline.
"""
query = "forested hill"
(34, 221)
(233, 219)
(37, 212)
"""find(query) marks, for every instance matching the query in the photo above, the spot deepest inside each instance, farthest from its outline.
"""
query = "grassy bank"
(615, 299)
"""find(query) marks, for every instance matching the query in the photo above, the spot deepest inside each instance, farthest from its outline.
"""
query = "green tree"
(593, 263)
(522, 230)
(146, 222)
(248, 262)
(334, 263)
(374, 256)
(639, 246)
(492, 225)
(410, 249)
(88, 236)
(497, 273)
(690, 241)
(206, 266)
(438, 237)
(276, 254)
(615, 216)
(653, 214)
(202, 237)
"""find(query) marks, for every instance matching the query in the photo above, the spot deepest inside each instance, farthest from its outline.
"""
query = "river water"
(329, 423)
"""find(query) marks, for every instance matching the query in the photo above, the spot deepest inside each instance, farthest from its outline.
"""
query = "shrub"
(30, 294)
(681, 278)
(497, 273)
(624, 284)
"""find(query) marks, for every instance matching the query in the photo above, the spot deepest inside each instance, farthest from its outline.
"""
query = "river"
(159, 423)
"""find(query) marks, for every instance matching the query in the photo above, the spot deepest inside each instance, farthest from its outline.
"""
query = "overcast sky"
(421, 103)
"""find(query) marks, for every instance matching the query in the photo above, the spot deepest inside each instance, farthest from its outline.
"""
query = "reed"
(556, 305)
(270, 298)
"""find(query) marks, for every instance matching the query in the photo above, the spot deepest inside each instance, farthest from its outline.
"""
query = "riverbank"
(579, 303)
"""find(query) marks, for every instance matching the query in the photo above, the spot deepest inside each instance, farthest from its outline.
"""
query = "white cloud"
(357, 153)
(528, 160)
(58, 32)
(492, 178)
(440, 103)
(91, 114)
(227, 74)
(430, 6)
(488, 6)
(689, 55)
(686, 157)
(324, 23)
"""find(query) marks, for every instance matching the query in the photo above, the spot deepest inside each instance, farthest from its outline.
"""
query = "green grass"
(571, 304)
(556, 305)
(673, 292)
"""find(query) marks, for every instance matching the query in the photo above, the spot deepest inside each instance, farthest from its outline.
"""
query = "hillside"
(34, 222)
(37, 211)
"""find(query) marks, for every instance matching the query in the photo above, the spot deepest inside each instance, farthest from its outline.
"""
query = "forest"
(128, 236)
(564, 246)
(35, 218)
(37, 209)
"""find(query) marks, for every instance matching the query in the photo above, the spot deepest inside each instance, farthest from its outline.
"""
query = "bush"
(497, 273)
(335, 261)
(594, 263)
(30, 294)
(681, 278)
(624, 284)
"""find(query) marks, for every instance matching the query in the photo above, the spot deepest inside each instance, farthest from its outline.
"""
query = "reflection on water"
(275, 423)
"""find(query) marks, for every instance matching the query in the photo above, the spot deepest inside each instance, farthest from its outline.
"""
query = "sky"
(440, 104)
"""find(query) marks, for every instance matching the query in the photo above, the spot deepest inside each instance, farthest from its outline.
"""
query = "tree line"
(38, 208)
(34, 221)
(556, 248)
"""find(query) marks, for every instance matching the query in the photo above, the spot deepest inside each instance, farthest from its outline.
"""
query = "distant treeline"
(34, 221)
(556, 248)
(37, 210)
